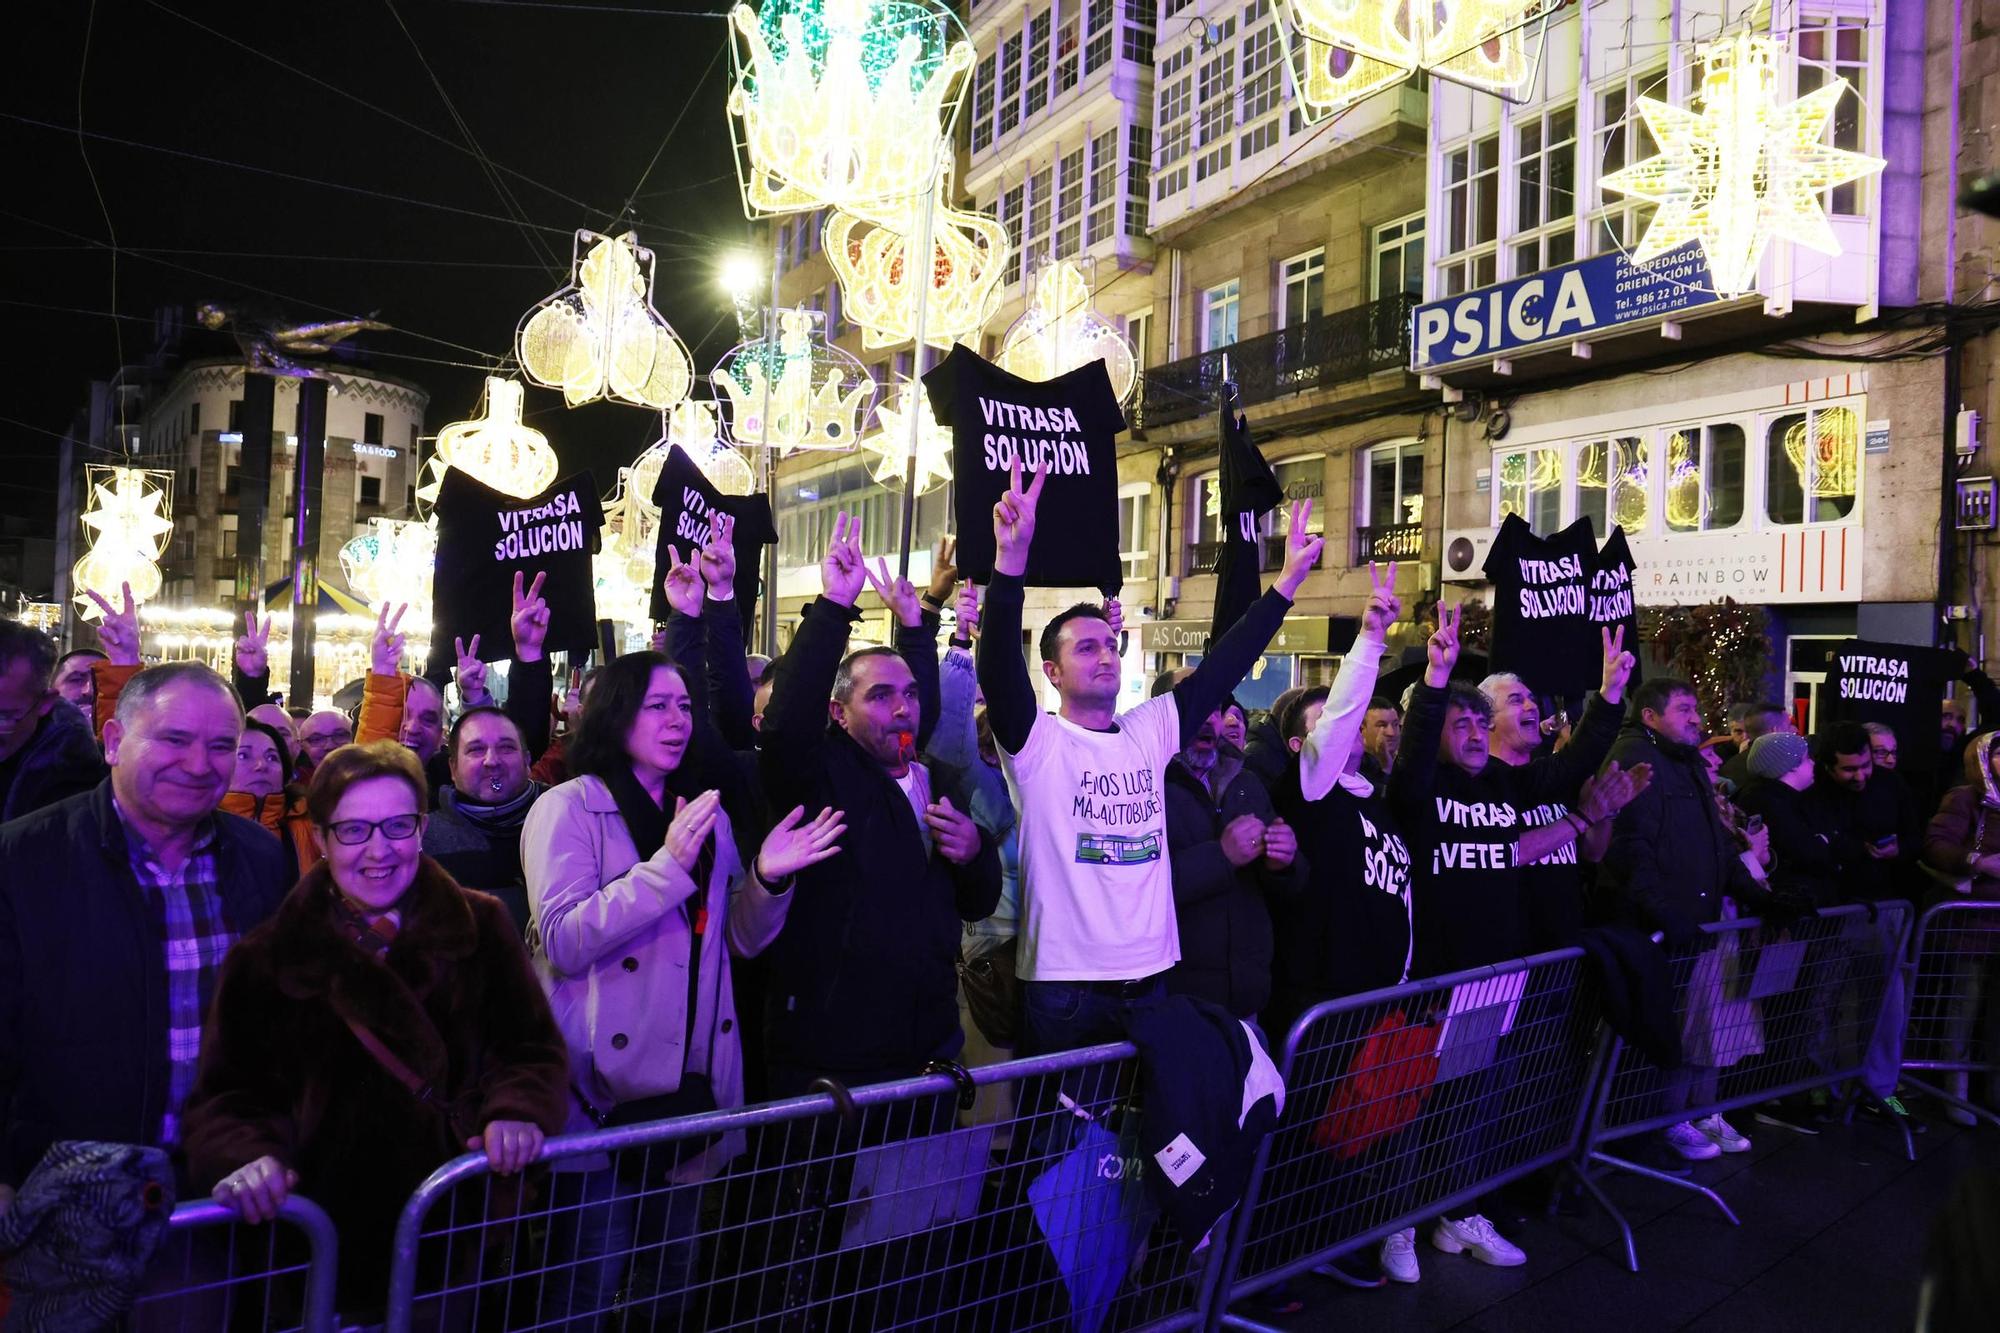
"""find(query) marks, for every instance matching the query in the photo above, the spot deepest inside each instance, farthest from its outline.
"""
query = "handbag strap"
(419, 1086)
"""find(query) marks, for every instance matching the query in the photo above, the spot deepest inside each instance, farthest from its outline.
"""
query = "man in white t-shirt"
(1097, 901)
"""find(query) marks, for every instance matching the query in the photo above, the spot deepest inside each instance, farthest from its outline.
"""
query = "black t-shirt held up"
(485, 537)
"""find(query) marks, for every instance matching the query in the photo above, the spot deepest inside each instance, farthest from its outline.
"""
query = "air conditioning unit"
(1465, 554)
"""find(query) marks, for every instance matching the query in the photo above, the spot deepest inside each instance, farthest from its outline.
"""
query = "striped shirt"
(185, 908)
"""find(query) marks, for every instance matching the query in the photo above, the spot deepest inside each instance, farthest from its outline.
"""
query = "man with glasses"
(116, 908)
(46, 752)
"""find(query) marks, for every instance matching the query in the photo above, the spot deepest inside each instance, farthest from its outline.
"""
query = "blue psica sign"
(1558, 304)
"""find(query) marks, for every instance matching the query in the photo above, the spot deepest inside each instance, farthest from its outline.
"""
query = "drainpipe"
(1943, 631)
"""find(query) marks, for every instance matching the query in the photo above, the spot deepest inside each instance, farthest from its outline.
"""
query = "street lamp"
(739, 275)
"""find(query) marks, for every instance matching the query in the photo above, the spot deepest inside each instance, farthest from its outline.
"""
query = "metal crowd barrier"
(839, 1210)
(214, 1272)
(1762, 1013)
(1954, 1026)
(1408, 1103)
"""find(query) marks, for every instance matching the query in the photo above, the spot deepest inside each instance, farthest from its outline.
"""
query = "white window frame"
(1614, 215)
(1135, 560)
(1397, 235)
(1553, 233)
(1475, 263)
(1855, 198)
(1364, 488)
(1224, 296)
(1307, 273)
(1139, 332)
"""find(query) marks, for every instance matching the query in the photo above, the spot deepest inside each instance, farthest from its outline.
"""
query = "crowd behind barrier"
(882, 1207)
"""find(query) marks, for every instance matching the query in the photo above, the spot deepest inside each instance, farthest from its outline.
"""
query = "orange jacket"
(110, 684)
(285, 815)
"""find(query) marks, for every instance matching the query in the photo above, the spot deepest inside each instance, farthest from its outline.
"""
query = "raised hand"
(118, 632)
(1442, 648)
(1611, 790)
(693, 821)
(1243, 840)
(530, 619)
(896, 593)
(953, 833)
(841, 572)
(718, 557)
(253, 647)
(385, 650)
(944, 569)
(968, 611)
(1618, 664)
(1280, 844)
(1014, 522)
(1383, 604)
(471, 673)
(1302, 550)
(683, 585)
(795, 842)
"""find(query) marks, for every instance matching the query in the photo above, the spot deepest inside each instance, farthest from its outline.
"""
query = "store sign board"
(1558, 305)
(1298, 634)
(1821, 564)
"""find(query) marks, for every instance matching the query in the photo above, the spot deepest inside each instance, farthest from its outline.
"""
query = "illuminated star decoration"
(890, 445)
(130, 521)
(1059, 332)
(817, 392)
(494, 448)
(840, 103)
(392, 562)
(968, 262)
(1744, 170)
(600, 337)
(1352, 49)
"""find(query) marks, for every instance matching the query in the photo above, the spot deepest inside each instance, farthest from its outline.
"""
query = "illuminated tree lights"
(968, 262)
(890, 445)
(841, 103)
(1352, 49)
(600, 337)
(801, 394)
(1059, 332)
(495, 448)
(1743, 169)
(130, 520)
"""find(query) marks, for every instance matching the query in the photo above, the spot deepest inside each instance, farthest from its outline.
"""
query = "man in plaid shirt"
(116, 908)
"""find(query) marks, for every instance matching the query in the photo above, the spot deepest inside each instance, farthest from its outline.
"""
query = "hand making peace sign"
(1618, 665)
(1014, 522)
(1383, 604)
(530, 619)
(1442, 649)
(253, 656)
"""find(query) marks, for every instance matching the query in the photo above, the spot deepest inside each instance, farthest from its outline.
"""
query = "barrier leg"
(1611, 1209)
(1951, 1099)
(1666, 1178)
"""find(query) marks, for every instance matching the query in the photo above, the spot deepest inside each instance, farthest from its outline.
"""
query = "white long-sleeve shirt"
(1323, 757)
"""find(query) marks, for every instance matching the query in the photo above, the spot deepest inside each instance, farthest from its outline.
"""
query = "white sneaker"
(1691, 1143)
(1722, 1134)
(1399, 1256)
(1476, 1236)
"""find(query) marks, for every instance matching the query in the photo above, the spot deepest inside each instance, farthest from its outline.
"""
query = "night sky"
(568, 101)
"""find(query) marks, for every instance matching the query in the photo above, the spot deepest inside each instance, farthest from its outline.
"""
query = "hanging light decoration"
(1826, 458)
(622, 568)
(803, 393)
(495, 448)
(890, 444)
(130, 520)
(600, 337)
(878, 289)
(1059, 332)
(1744, 168)
(1687, 503)
(392, 562)
(1351, 49)
(693, 427)
(839, 103)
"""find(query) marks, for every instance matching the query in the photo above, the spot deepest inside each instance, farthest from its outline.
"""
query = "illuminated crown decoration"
(1687, 503)
(494, 449)
(817, 392)
(1351, 49)
(130, 521)
(1828, 461)
(890, 444)
(600, 337)
(392, 562)
(969, 261)
(622, 568)
(840, 102)
(1744, 169)
(1059, 332)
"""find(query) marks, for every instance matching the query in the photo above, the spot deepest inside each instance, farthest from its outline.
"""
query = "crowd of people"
(327, 952)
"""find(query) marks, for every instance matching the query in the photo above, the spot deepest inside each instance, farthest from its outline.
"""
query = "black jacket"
(59, 760)
(1856, 820)
(1808, 849)
(1671, 859)
(1223, 912)
(83, 979)
(864, 976)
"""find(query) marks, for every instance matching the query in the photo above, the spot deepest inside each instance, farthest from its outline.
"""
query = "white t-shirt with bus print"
(1097, 897)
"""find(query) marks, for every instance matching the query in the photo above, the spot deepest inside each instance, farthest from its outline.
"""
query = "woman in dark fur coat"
(376, 959)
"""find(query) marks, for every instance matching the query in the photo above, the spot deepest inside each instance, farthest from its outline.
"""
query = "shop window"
(1812, 465)
(1392, 486)
(1611, 485)
(1704, 478)
(1530, 483)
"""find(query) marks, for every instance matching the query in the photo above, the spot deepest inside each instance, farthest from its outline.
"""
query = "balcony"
(1206, 557)
(1389, 543)
(1323, 351)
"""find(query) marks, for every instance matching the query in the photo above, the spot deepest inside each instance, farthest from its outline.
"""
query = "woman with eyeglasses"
(383, 1022)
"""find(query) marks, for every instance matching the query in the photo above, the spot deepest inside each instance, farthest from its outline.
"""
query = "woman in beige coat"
(637, 900)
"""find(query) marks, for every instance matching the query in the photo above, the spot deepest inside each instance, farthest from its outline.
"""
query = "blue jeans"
(605, 1228)
(1063, 1015)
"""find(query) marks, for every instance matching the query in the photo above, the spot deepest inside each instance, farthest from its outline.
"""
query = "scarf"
(644, 819)
(493, 820)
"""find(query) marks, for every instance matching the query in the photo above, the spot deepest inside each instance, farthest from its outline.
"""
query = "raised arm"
(250, 664)
(531, 680)
(578, 915)
(731, 699)
(1323, 755)
(1003, 671)
(1414, 778)
(1559, 776)
(795, 719)
(1229, 659)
